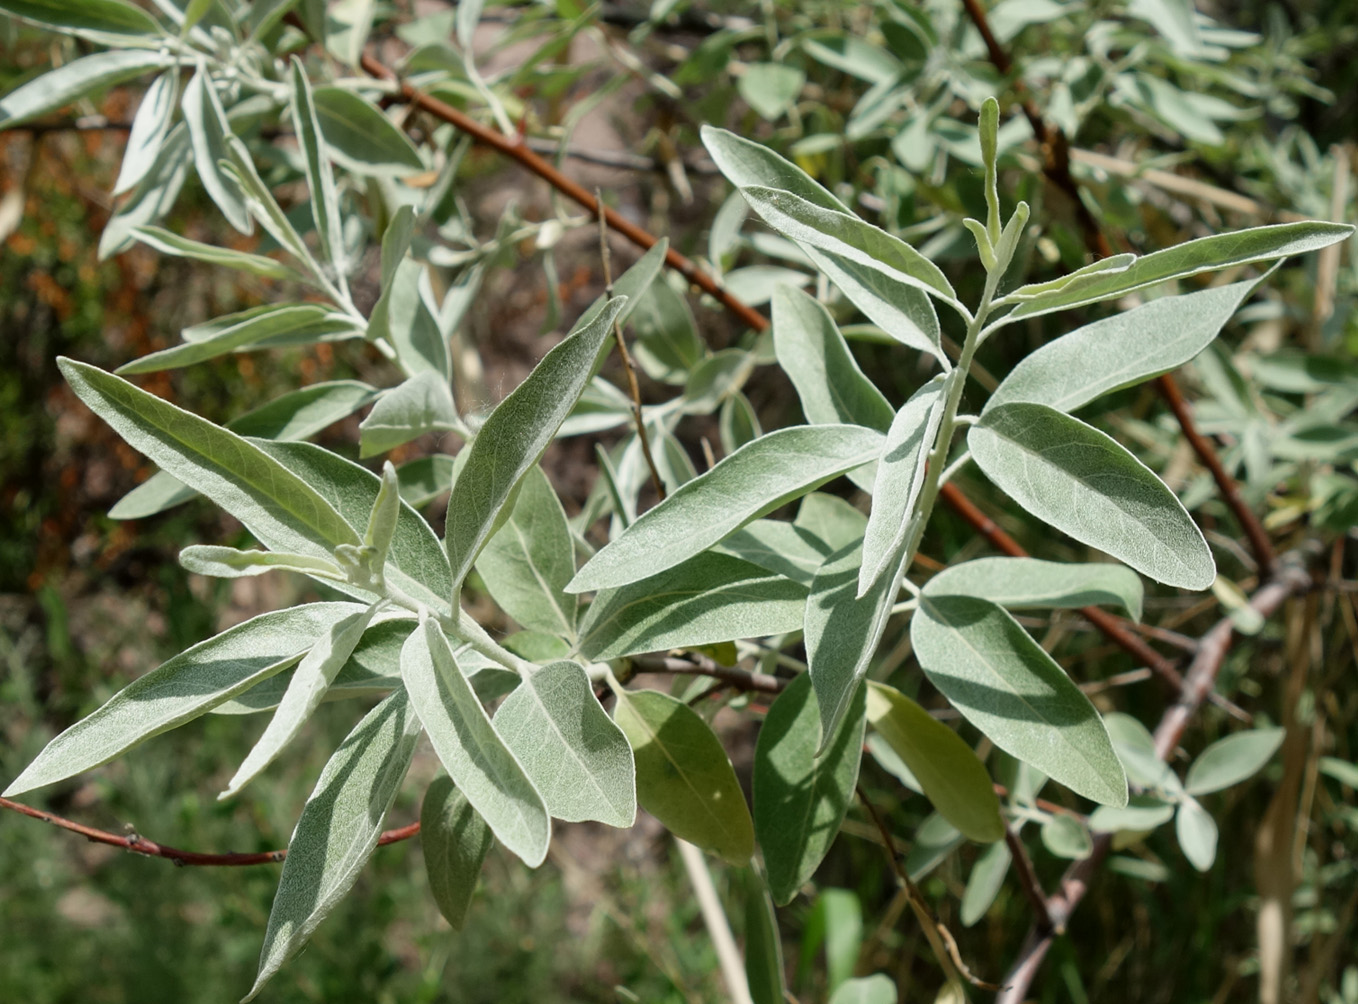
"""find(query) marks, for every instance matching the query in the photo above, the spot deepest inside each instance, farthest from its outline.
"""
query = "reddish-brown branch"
(1056, 167)
(1291, 578)
(140, 845)
(1230, 491)
(515, 147)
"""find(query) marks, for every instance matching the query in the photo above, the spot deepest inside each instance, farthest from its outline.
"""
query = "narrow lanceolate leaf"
(338, 829)
(1121, 350)
(422, 404)
(386, 513)
(229, 563)
(361, 138)
(293, 321)
(1243, 247)
(763, 944)
(707, 599)
(852, 239)
(1027, 583)
(800, 798)
(282, 511)
(684, 778)
(296, 415)
(1087, 485)
(791, 551)
(753, 481)
(1002, 681)
(153, 196)
(208, 132)
(101, 17)
(455, 841)
(305, 692)
(746, 163)
(169, 243)
(900, 479)
(842, 631)
(515, 435)
(191, 684)
(528, 562)
(416, 563)
(813, 353)
(470, 749)
(1231, 760)
(319, 174)
(576, 756)
(58, 88)
(945, 767)
(984, 882)
(149, 129)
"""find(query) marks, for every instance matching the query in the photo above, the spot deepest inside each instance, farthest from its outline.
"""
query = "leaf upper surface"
(576, 756)
(1002, 681)
(338, 828)
(1023, 583)
(753, 481)
(191, 684)
(1087, 485)
(800, 798)
(455, 841)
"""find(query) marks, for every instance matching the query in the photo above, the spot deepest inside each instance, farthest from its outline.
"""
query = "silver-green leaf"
(1002, 681)
(515, 435)
(338, 829)
(576, 756)
(1028, 583)
(59, 87)
(472, 752)
(1084, 483)
(753, 481)
(707, 599)
(191, 684)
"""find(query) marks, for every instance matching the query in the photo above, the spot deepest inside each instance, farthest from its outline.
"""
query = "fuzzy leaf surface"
(1028, 583)
(576, 756)
(1121, 350)
(423, 403)
(362, 139)
(338, 828)
(529, 561)
(515, 435)
(1002, 682)
(707, 599)
(472, 752)
(278, 507)
(1084, 483)
(182, 688)
(57, 88)
(1231, 760)
(752, 482)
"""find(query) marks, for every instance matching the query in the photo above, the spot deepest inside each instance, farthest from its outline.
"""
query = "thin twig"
(515, 148)
(700, 665)
(1027, 876)
(1230, 491)
(935, 931)
(140, 845)
(606, 258)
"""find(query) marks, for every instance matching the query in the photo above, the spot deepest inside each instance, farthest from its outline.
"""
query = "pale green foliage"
(569, 747)
(338, 828)
(715, 565)
(472, 752)
(1084, 483)
(1003, 682)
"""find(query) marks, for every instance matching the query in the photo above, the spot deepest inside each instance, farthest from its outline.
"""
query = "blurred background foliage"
(1176, 128)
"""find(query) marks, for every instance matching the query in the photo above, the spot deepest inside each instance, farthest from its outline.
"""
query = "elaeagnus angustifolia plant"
(753, 566)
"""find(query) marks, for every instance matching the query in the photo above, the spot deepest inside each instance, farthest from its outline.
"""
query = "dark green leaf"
(455, 841)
